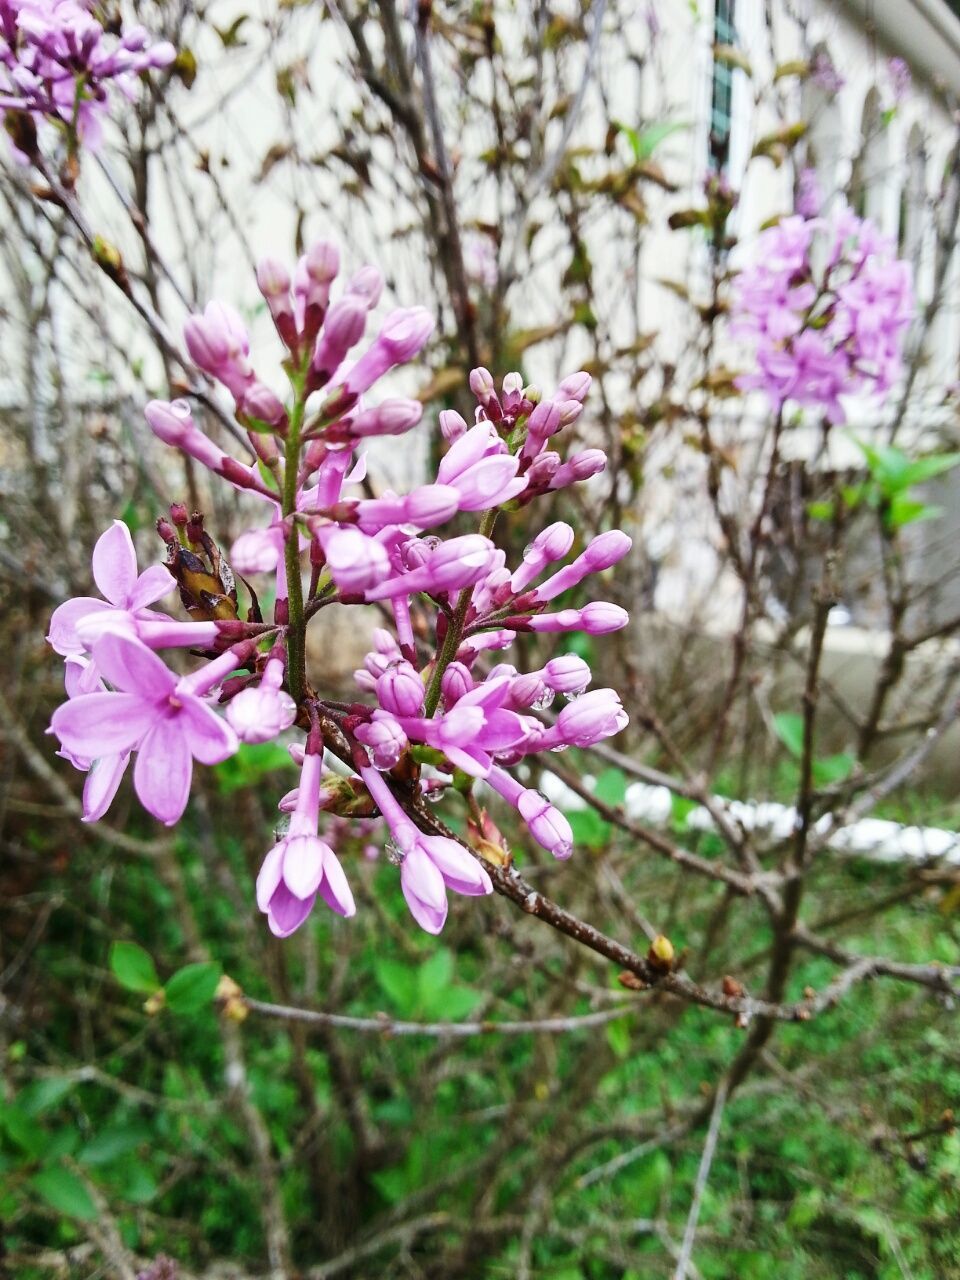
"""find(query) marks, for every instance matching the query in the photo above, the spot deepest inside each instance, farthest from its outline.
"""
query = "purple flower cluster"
(434, 716)
(826, 305)
(57, 62)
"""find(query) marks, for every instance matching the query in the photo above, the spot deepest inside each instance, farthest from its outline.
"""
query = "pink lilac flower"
(301, 865)
(429, 865)
(153, 712)
(125, 590)
(823, 329)
(259, 713)
(57, 63)
(457, 707)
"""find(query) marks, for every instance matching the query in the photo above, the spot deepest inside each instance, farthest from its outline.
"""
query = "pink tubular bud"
(172, 422)
(217, 337)
(452, 425)
(367, 285)
(356, 562)
(342, 328)
(400, 690)
(549, 545)
(542, 470)
(260, 402)
(511, 392)
(456, 682)
(599, 618)
(322, 261)
(546, 824)
(384, 739)
(392, 418)
(469, 449)
(426, 506)
(545, 420)
(241, 476)
(383, 642)
(403, 334)
(581, 466)
(527, 691)
(575, 386)
(603, 552)
(430, 505)
(567, 674)
(481, 383)
(262, 712)
(593, 717)
(570, 411)
(273, 279)
(454, 564)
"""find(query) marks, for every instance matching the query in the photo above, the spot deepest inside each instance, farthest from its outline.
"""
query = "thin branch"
(703, 1173)
(387, 1027)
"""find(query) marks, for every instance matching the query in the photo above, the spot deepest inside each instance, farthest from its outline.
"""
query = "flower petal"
(102, 724)
(287, 912)
(131, 666)
(62, 636)
(419, 874)
(152, 585)
(460, 870)
(303, 865)
(209, 738)
(101, 785)
(428, 918)
(270, 875)
(334, 888)
(115, 564)
(163, 770)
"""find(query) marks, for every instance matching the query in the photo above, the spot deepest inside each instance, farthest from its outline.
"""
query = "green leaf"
(111, 1143)
(788, 726)
(644, 142)
(589, 829)
(435, 974)
(618, 1037)
(833, 768)
(192, 987)
(138, 1184)
(611, 787)
(250, 764)
(64, 1192)
(820, 510)
(904, 510)
(457, 1003)
(23, 1130)
(133, 968)
(935, 465)
(680, 809)
(399, 982)
(41, 1095)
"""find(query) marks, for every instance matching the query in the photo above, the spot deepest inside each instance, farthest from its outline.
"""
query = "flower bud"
(367, 285)
(452, 425)
(260, 402)
(546, 824)
(456, 682)
(575, 386)
(581, 466)
(384, 739)
(568, 674)
(355, 561)
(400, 690)
(391, 418)
(600, 617)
